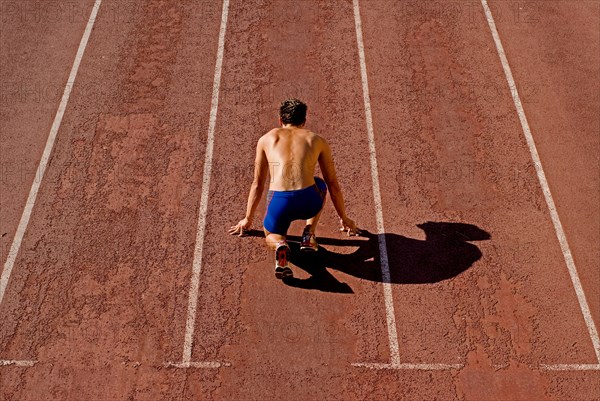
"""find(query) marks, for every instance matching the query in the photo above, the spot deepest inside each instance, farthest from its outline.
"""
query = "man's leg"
(275, 220)
(309, 241)
(278, 243)
(311, 224)
(273, 239)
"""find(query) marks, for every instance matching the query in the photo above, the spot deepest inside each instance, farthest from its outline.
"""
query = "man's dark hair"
(293, 111)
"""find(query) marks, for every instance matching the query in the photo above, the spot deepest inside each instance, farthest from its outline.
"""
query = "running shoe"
(282, 257)
(309, 242)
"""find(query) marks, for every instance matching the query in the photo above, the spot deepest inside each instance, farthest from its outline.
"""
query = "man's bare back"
(292, 154)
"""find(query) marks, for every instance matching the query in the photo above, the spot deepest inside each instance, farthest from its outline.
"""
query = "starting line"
(17, 363)
(584, 366)
(442, 366)
(200, 365)
(410, 366)
(376, 366)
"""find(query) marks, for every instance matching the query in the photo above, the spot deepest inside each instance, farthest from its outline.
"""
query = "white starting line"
(584, 366)
(410, 366)
(17, 363)
(199, 365)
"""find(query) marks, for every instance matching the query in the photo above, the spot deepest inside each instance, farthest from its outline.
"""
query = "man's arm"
(330, 177)
(261, 168)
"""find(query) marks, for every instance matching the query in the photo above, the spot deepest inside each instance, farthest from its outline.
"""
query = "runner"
(290, 154)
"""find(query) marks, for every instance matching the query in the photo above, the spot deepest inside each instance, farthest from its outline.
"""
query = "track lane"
(445, 114)
(273, 334)
(97, 300)
(553, 51)
(552, 48)
(38, 47)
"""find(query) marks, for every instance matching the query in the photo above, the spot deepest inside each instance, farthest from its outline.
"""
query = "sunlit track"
(142, 293)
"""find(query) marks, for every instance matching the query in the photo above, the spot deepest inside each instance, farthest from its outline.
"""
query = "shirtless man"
(289, 154)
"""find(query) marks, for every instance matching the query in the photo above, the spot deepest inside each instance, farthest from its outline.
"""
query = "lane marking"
(562, 239)
(17, 363)
(385, 268)
(197, 263)
(35, 186)
(571, 367)
(410, 366)
(444, 366)
(200, 365)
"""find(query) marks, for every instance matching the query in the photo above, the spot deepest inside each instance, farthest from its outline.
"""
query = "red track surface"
(99, 292)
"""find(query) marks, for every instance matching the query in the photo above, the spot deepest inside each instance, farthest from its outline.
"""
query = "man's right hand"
(239, 228)
(349, 226)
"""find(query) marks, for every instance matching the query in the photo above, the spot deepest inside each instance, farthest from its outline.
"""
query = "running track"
(151, 164)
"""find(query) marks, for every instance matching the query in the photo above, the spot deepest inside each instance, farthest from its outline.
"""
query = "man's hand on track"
(349, 226)
(244, 224)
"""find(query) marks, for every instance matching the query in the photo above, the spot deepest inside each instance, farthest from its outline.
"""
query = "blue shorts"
(283, 207)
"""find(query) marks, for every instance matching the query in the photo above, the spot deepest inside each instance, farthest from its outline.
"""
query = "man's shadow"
(445, 253)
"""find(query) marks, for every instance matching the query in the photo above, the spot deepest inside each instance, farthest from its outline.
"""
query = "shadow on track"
(445, 253)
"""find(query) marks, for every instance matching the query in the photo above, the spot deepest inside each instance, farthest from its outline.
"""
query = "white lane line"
(197, 263)
(571, 367)
(385, 268)
(410, 366)
(17, 363)
(24, 222)
(562, 239)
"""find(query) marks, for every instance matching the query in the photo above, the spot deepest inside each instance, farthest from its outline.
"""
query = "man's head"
(292, 111)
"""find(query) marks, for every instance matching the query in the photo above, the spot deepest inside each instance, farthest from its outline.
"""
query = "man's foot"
(309, 242)
(282, 257)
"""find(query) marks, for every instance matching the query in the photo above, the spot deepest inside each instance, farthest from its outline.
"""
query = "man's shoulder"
(318, 139)
(315, 141)
(269, 134)
(272, 133)
(311, 135)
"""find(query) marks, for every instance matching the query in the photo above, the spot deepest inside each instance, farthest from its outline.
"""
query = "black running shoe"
(309, 242)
